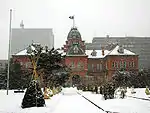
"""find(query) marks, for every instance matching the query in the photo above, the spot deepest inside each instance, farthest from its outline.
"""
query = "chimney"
(103, 51)
(21, 24)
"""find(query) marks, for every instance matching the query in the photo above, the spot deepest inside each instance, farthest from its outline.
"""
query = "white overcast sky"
(92, 17)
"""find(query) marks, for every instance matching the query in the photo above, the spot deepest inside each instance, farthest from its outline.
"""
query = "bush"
(108, 90)
(120, 92)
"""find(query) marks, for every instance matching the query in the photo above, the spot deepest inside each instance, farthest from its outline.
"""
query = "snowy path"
(75, 103)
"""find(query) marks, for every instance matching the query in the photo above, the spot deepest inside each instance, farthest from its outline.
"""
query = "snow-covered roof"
(106, 52)
(98, 53)
(116, 52)
(88, 52)
(24, 52)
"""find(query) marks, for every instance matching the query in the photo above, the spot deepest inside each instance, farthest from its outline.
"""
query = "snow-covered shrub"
(120, 92)
(130, 90)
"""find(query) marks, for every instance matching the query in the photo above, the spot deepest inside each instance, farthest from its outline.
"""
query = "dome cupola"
(74, 34)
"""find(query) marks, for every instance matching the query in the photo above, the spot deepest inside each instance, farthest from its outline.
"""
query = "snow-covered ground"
(140, 93)
(127, 105)
(68, 101)
(12, 103)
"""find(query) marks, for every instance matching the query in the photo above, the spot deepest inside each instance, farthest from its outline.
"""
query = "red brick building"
(75, 58)
(96, 66)
(23, 60)
(92, 66)
(120, 58)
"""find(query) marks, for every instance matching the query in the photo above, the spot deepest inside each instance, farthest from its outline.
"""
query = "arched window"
(100, 67)
(97, 67)
(133, 65)
(116, 64)
(121, 64)
(124, 64)
(89, 66)
(113, 64)
(79, 65)
(72, 64)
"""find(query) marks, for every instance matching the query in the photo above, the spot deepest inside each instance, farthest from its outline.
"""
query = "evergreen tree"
(59, 79)
(55, 73)
(33, 96)
(121, 79)
(3, 79)
(108, 89)
(128, 79)
(134, 80)
(17, 79)
(143, 78)
(76, 80)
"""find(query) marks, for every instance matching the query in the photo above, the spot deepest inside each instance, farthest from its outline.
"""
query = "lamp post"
(9, 50)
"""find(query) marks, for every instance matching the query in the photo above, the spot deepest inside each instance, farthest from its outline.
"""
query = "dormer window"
(76, 50)
(74, 36)
(121, 49)
(94, 53)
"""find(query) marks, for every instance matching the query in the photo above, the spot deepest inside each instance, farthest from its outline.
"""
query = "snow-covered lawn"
(127, 105)
(12, 103)
(68, 101)
(140, 93)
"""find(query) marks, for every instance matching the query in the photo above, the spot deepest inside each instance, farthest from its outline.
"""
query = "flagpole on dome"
(72, 17)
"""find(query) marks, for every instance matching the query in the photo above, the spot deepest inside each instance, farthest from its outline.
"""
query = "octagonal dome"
(74, 33)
